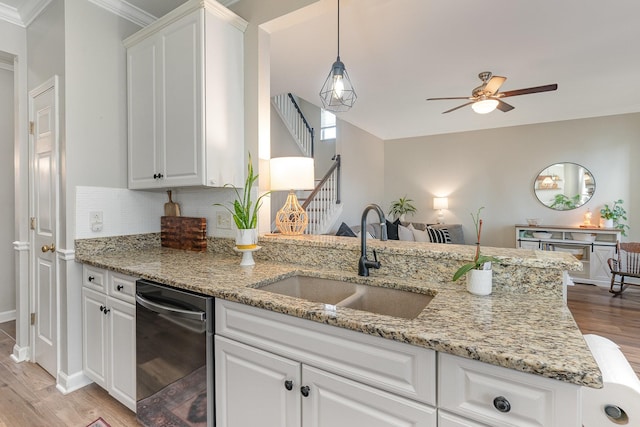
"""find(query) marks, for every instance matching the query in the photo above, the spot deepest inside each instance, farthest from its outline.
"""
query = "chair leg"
(613, 283)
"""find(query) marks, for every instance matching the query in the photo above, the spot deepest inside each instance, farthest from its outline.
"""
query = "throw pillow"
(405, 234)
(419, 235)
(345, 231)
(392, 230)
(438, 235)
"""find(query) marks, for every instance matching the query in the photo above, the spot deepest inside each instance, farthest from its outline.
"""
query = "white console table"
(592, 246)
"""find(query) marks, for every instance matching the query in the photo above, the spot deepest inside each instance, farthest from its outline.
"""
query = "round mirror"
(564, 186)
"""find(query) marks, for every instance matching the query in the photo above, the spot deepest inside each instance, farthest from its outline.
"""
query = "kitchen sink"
(313, 289)
(374, 299)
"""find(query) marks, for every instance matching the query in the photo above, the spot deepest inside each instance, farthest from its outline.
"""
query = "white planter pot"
(247, 238)
(607, 223)
(479, 282)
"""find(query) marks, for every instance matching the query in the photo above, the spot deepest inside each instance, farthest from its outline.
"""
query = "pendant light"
(337, 93)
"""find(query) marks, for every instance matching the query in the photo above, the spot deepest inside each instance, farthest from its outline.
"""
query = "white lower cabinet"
(274, 370)
(501, 397)
(285, 393)
(109, 334)
(446, 419)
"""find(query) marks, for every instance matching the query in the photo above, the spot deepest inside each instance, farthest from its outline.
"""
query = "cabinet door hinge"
(32, 221)
(33, 318)
(31, 128)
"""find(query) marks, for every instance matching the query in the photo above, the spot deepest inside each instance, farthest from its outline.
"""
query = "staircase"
(323, 204)
(294, 120)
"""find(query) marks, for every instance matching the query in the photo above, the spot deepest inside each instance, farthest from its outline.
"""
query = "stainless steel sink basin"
(313, 289)
(374, 299)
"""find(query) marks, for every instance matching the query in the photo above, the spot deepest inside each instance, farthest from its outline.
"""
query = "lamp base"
(292, 219)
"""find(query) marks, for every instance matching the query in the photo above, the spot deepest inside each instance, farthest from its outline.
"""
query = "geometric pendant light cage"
(337, 93)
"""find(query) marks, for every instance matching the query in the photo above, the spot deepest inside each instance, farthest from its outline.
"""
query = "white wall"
(363, 164)
(496, 169)
(7, 274)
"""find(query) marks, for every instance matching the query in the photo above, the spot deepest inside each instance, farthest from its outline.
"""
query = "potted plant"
(401, 207)
(613, 215)
(479, 273)
(245, 211)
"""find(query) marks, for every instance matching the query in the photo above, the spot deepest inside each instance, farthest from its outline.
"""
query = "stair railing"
(296, 122)
(322, 201)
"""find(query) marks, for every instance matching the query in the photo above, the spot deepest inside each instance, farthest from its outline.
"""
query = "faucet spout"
(364, 264)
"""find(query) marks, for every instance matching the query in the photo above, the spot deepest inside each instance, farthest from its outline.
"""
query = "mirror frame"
(548, 183)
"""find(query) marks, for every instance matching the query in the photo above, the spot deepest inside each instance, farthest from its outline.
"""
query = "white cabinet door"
(122, 353)
(181, 92)
(144, 130)
(446, 419)
(599, 269)
(94, 336)
(502, 397)
(333, 401)
(252, 389)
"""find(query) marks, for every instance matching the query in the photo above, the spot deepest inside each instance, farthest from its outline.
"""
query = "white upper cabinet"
(185, 99)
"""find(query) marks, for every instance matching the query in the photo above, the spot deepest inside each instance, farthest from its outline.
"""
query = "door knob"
(46, 248)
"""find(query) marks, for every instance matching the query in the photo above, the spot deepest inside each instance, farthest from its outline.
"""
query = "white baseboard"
(20, 354)
(7, 316)
(68, 383)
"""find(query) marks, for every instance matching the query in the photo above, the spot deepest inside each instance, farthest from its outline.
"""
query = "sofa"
(411, 231)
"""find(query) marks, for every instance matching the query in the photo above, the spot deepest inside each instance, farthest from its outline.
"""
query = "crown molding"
(25, 14)
(126, 11)
(10, 14)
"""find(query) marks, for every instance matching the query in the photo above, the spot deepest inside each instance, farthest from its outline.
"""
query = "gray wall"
(496, 169)
(7, 274)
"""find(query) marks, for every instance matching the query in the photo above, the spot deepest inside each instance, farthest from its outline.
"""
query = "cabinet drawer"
(476, 390)
(122, 287)
(94, 278)
(396, 367)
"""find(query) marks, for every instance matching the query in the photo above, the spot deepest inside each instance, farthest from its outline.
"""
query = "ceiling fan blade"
(493, 85)
(459, 106)
(536, 89)
(504, 107)
(456, 97)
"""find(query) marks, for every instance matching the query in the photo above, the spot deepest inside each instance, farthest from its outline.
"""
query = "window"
(327, 125)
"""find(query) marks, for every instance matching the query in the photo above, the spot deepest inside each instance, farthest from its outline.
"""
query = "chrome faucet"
(364, 264)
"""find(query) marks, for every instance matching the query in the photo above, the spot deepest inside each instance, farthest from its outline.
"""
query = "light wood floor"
(28, 396)
(596, 311)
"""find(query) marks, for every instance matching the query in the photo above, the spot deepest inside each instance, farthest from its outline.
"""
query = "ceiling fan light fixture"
(484, 106)
(337, 93)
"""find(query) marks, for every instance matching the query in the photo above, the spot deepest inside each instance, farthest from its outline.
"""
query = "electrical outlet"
(223, 220)
(95, 220)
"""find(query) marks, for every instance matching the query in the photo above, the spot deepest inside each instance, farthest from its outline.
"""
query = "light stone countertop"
(526, 332)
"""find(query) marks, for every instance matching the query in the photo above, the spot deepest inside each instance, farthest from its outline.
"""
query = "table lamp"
(292, 173)
(440, 204)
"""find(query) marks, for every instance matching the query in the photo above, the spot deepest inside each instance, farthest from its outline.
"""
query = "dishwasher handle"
(172, 311)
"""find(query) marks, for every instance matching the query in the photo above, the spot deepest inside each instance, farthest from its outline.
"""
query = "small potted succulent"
(612, 216)
(401, 207)
(245, 211)
(479, 273)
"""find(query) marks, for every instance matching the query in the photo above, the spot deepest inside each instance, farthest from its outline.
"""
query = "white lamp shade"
(485, 106)
(292, 173)
(440, 203)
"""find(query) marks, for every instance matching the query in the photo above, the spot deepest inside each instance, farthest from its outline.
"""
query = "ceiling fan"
(486, 98)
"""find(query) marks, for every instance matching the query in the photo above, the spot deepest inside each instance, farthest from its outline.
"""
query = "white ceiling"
(399, 52)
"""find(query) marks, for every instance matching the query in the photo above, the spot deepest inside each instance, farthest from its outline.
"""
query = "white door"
(254, 387)
(94, 336)
(333, 401)
(44, 165)
(122, 351)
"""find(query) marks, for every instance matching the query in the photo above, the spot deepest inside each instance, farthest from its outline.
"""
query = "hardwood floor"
(28, 396)
(596, 311)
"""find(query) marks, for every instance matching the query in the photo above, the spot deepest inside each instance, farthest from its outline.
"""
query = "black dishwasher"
(174, 356)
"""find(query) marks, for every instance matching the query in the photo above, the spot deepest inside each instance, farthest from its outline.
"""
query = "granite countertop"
(528, 333)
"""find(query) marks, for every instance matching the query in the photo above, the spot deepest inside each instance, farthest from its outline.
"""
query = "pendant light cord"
(338, 29)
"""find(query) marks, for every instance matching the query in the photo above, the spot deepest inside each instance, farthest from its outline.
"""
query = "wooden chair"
(627, 265)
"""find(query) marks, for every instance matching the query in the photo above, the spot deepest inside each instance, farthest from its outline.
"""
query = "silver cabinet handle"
(163, 309)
